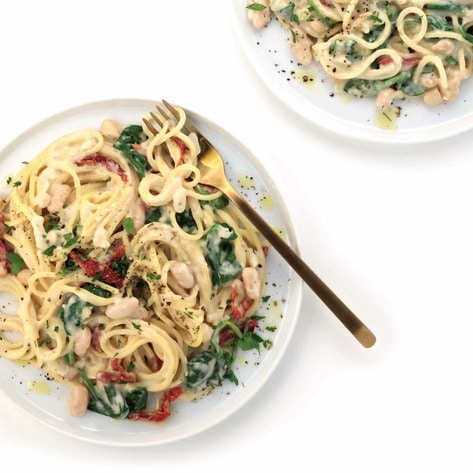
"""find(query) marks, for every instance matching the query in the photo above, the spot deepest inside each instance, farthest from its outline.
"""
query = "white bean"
(444, 46)
(428, 80)
(259, 18)
(454, 78)
(138, 214)
(82, 342)
(315, 28)
(182, 274)
(71, 373)
(53, 237)
(302, 46)
(78, 400)
(126, 308)
(251, 282)
(24, 275)
(58, 194)
(386, 97)
(110, 130)
(251, 256)
(432, 97)
(207, 332)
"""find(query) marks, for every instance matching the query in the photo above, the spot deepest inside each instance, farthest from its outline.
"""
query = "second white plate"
(315, 99)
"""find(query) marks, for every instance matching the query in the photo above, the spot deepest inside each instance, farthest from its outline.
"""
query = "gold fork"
(213, 174)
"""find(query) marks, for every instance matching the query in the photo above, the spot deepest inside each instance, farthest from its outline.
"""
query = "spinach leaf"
(105, 399)
(327, 21)
(73, 313)
(211, 367)
(218, 203)
(16, 262)
(120, 265)
(97, 290)
(438, 22)
(137, 399)
(220, 255)
(70, 265)
(465, 34)
(458, 9)
(256, 6)
(370, 88)
(205, 370)
(452, 60)
(186, 221)
(411, 89)
(434, 22)
(288, 13)
(347, 48)
(373, 34)
(153, 214)
(130, 135)
(70, 358)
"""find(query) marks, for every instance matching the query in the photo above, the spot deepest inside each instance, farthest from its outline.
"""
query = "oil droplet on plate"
(304, 77)
(279, 231)
(246, 182)
(274, 308)
(39, 387)
(267, 202)
(386, 118)
(241, 360)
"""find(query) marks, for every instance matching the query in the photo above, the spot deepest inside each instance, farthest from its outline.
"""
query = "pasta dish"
(135, 285)
(388, 49)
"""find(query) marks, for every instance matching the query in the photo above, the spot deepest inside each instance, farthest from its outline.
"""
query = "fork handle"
(358, 329)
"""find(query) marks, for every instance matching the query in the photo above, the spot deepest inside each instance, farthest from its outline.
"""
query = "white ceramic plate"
(46, 400)
(269, 52)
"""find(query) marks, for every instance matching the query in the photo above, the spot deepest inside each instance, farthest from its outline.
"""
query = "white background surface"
(387, 227)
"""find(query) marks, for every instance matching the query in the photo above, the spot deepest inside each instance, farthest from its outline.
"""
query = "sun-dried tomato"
(118, 374)
(164, 409)
(108, 163)
(239, 310)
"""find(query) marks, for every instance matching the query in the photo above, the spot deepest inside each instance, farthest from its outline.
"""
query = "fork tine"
(150, 127)
(171, 109)
(161, 111)
(166, 115)
(158, 120)
(188, 127)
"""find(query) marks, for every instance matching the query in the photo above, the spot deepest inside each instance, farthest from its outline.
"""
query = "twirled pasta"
(390, 49)
(131, 278)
